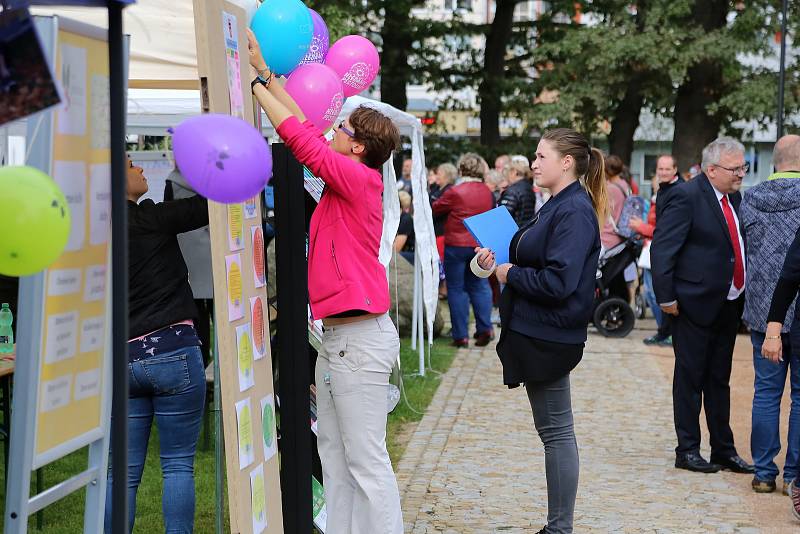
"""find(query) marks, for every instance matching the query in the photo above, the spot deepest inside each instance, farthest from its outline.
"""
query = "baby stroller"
(613, 315)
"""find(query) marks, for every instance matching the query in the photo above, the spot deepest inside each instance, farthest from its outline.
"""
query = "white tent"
(163, 49)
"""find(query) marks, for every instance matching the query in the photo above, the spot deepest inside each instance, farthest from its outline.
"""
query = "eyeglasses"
(736, 170)
(347, 131)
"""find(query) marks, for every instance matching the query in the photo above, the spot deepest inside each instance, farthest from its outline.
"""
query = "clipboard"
(493, 229)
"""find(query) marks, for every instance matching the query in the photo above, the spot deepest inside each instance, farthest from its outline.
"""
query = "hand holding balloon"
(256, 57)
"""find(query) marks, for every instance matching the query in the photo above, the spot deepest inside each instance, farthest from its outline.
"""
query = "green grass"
(419, 390)
(66, 515)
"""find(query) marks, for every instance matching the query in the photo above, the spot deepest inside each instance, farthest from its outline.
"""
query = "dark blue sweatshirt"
(555, 262)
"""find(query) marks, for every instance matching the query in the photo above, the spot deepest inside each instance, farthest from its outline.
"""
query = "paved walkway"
(476, 465)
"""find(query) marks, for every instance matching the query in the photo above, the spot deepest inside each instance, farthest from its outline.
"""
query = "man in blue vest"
(771, 216)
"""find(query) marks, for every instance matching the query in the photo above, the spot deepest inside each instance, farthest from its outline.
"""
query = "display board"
(62, 398)
(240, 298)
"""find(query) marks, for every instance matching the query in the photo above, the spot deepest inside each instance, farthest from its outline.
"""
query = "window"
(454, 5)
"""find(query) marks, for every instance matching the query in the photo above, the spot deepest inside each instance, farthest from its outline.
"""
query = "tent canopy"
(163, 50)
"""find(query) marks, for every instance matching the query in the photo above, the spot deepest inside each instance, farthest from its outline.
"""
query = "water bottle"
(6, 334)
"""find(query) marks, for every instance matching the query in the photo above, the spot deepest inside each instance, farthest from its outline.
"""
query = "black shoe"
(692, 461)
(481, 340)
(763, 486)
(734, 463)
(654, 340)
(460, 343)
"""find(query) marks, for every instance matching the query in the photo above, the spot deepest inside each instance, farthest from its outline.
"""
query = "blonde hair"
(472, 165)
(405, 200)
(589, 166)
(448, 170)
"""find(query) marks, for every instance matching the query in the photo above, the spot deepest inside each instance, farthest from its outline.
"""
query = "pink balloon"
(317, 89)
(356, 61)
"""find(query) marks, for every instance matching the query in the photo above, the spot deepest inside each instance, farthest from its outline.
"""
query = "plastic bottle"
(6, 333)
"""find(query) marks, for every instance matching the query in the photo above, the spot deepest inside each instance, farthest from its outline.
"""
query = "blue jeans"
(650, 296)
(464, 287)
(172, 387)
(765, 439)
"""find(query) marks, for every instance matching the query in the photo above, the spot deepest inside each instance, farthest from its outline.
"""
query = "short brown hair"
(377, 133)
(614, 166)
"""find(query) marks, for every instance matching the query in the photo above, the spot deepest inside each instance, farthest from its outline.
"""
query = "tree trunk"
(625, 122)
(397, 41)
(695, 127)
(490, 89)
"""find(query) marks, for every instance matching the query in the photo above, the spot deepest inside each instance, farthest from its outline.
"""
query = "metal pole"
(292, 340)
(782, 78)
(119, 271)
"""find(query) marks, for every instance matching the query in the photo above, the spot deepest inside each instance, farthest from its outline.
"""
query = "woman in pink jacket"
(348, 290)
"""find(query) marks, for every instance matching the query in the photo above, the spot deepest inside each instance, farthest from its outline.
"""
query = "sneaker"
(653, 340)
(460, 343)
(787, 487)
(763, 486)
(666, 342)
(795, 494)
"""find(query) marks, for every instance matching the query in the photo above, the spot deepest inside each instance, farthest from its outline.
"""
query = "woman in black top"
(547, 302)
(772, 349)
(166, 374)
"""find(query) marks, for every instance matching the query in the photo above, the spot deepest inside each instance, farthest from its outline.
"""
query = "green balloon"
(34, 221)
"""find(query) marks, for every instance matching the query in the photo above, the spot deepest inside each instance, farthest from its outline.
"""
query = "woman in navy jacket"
(547, 302)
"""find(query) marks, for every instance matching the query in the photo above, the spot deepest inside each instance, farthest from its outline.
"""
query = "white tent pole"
(414, 318)
(419, 305)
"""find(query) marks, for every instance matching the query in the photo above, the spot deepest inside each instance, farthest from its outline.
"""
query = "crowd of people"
(712, 258)
(715, 256)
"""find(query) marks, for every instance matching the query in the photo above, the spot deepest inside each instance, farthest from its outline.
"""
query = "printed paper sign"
(244, 425)
(55, 393)
(62, 337)
(71, 178)
(233, 269)
(258, 499)
(250, 206)
(235, 227)
(87, 384)
(259, 269)
(62, 282)
(92, 333)
(268, 427)
(258, 328)
(72, 115)
(319, 510)
(231, 33)
(99, 204)
(95, 283)
(244, 349)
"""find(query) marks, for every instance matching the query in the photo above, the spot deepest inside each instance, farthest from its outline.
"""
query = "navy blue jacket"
(692, 256)
(555, 263)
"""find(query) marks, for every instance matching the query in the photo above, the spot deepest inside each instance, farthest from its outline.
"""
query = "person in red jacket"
(470, 197)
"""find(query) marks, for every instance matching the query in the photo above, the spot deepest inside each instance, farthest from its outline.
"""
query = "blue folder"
(493, 229)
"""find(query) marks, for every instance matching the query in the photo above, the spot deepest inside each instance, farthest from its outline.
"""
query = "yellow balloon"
(34, 221)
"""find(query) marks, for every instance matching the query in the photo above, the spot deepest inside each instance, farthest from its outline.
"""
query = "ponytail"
(595, 184)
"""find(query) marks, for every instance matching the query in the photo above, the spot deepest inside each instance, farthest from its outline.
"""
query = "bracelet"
(773, 337)
(261, 72)
(262, 81)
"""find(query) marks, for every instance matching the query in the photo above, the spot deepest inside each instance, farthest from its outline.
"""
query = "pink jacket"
(345, 233)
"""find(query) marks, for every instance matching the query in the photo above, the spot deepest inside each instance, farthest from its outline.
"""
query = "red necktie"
(738, 266)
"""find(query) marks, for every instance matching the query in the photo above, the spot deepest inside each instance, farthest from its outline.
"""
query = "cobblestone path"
(476, 465)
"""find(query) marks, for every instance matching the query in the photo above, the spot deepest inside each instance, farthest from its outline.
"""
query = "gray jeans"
(552, 415)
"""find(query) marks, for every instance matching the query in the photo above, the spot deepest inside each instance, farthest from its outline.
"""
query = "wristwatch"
(261, 80)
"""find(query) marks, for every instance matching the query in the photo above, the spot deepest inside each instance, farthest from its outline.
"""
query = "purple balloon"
(320, 42)
(222, 157)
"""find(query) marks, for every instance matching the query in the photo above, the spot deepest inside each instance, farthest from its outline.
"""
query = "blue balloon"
(284, 29)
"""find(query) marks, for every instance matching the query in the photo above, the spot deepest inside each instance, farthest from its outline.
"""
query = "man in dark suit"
(698, 264)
